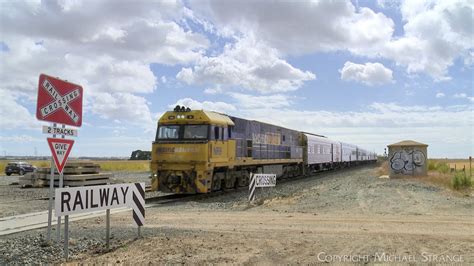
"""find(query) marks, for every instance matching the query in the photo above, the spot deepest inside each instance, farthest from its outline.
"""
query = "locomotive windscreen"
(182, 132)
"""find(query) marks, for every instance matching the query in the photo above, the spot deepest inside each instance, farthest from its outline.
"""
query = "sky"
(369, 73)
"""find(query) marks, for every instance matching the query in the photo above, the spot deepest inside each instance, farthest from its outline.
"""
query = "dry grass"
(438, 178)
(383, 169)
(124, 166)
(460, 165)
(108, 166)
(457, 164)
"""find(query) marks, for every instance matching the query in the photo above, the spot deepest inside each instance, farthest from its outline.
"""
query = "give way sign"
(59, 101)
(60, 148)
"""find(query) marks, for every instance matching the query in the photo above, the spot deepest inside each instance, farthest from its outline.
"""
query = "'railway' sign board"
(60, 148)
(94, 198)
(59, 101)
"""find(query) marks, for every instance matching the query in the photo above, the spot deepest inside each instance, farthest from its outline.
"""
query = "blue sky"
(365, 72)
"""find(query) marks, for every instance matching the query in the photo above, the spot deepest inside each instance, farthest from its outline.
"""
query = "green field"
(106, 166)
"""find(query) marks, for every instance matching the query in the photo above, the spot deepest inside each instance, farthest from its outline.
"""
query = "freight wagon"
(197, 151)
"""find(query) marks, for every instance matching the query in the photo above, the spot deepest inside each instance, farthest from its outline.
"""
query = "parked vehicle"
(20, 168)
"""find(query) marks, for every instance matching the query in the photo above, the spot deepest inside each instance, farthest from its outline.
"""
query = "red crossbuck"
(59, 101)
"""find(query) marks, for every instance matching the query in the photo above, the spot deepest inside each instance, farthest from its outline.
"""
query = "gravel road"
(348, 212)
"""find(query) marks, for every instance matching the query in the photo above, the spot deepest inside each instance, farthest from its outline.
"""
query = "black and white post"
(138, 205)
(252, 188)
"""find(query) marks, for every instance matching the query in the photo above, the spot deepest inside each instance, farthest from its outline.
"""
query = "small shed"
(408, 157)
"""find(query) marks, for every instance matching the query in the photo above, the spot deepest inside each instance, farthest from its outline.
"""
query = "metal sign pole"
(107, 229)
(66, 237)
(470, 166)
(51, 191)
(139, 231)
(58, 225)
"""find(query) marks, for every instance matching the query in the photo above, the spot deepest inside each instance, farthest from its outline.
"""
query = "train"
(199, 151)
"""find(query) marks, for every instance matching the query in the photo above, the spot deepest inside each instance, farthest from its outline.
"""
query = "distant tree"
(140, 155)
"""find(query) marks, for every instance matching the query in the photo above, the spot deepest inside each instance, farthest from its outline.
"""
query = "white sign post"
(260, 180)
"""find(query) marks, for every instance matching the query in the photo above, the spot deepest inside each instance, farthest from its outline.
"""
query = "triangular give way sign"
(60, 148)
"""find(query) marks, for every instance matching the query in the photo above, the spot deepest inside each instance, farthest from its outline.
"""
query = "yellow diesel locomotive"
(197, 151)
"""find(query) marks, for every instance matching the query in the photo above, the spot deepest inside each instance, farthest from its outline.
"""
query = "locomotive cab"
(189, 145)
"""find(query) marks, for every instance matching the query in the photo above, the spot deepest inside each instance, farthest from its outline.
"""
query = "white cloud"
(206, 105)
(215, 90)
(460, 95)
(126, 107)
(388, 4)
(246, 101)
(108, 53)
(300, 27)
(13, 114)
(20, 139)
(440, 95)
(463, 96)
(369, 73)
(436, 33)
(247, 63)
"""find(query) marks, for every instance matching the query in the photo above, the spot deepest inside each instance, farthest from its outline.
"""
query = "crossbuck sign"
(59, 101)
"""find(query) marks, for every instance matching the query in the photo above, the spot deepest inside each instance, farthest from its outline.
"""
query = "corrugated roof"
(407, 143)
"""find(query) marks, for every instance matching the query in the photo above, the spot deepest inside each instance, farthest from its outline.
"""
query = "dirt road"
(272, 237)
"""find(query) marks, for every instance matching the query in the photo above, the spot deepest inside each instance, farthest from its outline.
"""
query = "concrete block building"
(408, 157)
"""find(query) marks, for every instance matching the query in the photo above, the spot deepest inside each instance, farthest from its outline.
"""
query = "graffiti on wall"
(406, 161)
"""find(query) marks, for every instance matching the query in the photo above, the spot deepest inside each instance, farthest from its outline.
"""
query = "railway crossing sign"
(265, 180)
(74, 200)
(87, 199)
(60, 148)
(260, 180)
(59, 101)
